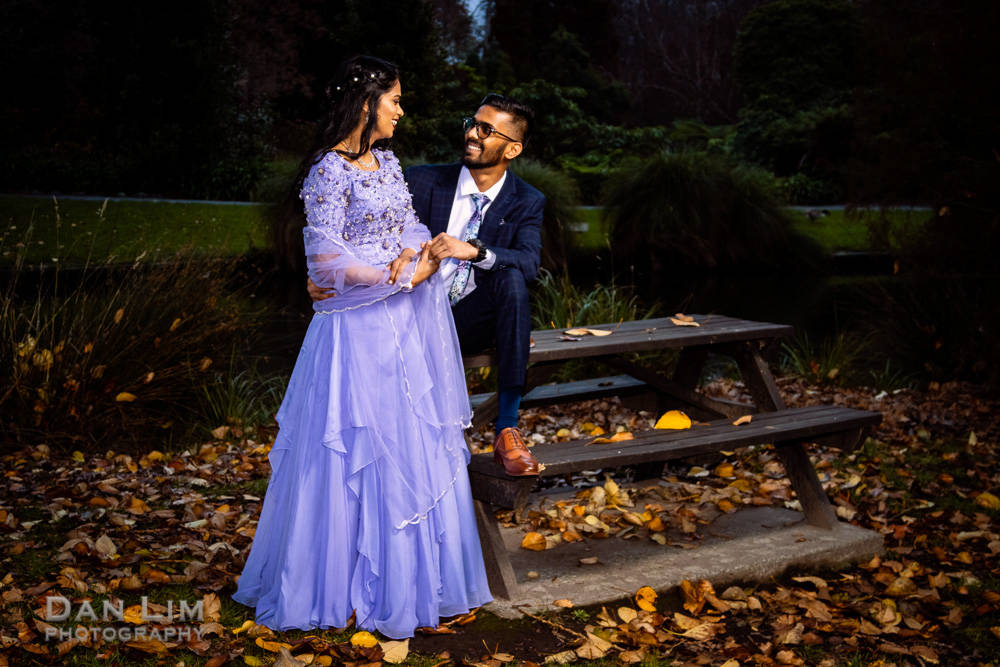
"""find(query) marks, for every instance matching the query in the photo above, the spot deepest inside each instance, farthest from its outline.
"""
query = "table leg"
(815, 505)
(764, 390)
(499, 571)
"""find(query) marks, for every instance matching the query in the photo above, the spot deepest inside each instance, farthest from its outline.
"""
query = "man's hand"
(426, 265)
(443, 246)
(317, 293)
(397, 264)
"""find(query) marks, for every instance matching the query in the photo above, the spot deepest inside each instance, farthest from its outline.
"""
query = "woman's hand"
(426, 266)
(399, 263)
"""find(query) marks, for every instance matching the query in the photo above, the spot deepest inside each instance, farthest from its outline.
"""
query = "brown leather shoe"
(510, 450)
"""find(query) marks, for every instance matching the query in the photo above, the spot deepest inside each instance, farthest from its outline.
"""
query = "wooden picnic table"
(745, 341)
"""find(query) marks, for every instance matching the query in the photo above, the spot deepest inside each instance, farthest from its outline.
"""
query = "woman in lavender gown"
(368, 509)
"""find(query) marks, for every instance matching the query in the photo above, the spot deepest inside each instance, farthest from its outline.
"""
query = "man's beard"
(482, 161)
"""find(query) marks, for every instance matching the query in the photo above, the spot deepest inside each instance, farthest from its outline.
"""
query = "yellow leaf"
(119, 314)
(617, 437)
(253, 661)
(645, 605)
(597, 430)
(745, 419)
(724, 470)
(683, 323)
(564, 603)
(598, 332)
(176, 323)
(576, 332)
(656, 525)
(204, 364)
(988, 500)
(271, 647)
(563, 433)
(533, 542)
(674, 419)
(395, 652)
(726, 506)
(125, 397)
(363, 639)
(243, 628)
(78, 456)
(645, 593)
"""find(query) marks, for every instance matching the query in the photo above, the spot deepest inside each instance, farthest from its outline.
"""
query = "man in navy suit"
(485, 224)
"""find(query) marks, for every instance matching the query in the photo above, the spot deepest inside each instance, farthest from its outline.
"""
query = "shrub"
(116, 354)
(699, 210)
(834, 360)
(559, 303)
(561, 200)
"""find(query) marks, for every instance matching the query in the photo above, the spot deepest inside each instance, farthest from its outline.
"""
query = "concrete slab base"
(752, 544)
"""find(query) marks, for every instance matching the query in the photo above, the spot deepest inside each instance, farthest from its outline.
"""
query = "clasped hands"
(432, 252)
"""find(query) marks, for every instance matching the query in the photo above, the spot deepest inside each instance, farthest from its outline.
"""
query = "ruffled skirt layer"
(368, 509)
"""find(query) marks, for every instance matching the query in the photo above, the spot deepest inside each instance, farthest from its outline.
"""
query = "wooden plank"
(642, 335)
(550, 394)
(499, 571)
(703, 407)
(793, 424)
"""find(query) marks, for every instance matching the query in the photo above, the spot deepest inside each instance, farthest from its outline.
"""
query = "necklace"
(364, 164)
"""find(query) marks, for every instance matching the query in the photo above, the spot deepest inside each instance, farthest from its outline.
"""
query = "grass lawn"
(836, 231)
(74, 230)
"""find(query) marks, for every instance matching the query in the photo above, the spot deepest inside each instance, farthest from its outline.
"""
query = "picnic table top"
(642, 336)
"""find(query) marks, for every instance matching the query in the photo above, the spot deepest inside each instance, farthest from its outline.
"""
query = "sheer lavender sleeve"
(414, 231)
(333, 261)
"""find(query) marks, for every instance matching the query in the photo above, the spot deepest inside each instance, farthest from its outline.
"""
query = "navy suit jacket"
(512, 228)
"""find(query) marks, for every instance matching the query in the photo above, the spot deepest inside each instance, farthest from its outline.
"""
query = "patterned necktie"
(461, 278)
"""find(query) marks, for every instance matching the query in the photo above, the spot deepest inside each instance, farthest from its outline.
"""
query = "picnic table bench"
(745, 341)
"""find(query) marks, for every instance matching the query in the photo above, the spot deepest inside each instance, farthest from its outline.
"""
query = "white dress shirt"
(461, 210)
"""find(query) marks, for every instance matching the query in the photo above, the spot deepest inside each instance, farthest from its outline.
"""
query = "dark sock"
(510, 401)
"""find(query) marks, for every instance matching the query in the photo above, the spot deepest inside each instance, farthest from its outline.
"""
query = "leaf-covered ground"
(170, 527)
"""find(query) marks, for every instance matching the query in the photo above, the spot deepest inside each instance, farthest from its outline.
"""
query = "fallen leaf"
(988, 500)
(561, 658)
(564, 603)
(395, 652)
(533, 542)
(745, 419)
(673, 420)
(627, 613)
(363, 639)
(125, 397)
(617, 437)
(599, 332)
(684, 323)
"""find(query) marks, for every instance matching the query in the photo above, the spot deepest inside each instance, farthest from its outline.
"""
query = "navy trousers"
(498, 312)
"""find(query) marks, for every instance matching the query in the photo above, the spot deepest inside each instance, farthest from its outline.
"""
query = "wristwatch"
(478, 245)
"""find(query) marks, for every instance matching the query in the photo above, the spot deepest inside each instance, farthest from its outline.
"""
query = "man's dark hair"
(523, 115)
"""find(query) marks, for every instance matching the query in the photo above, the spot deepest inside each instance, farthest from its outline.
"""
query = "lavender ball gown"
(368, 508)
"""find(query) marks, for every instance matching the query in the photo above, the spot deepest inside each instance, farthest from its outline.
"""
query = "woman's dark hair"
(359, 80)
(523, 115)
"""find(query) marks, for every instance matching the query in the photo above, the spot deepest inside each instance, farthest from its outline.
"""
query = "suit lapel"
(490, 228)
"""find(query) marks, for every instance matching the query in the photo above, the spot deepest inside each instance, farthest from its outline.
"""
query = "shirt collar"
(467, 185)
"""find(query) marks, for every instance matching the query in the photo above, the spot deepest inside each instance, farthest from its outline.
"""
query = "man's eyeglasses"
(484, 130)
